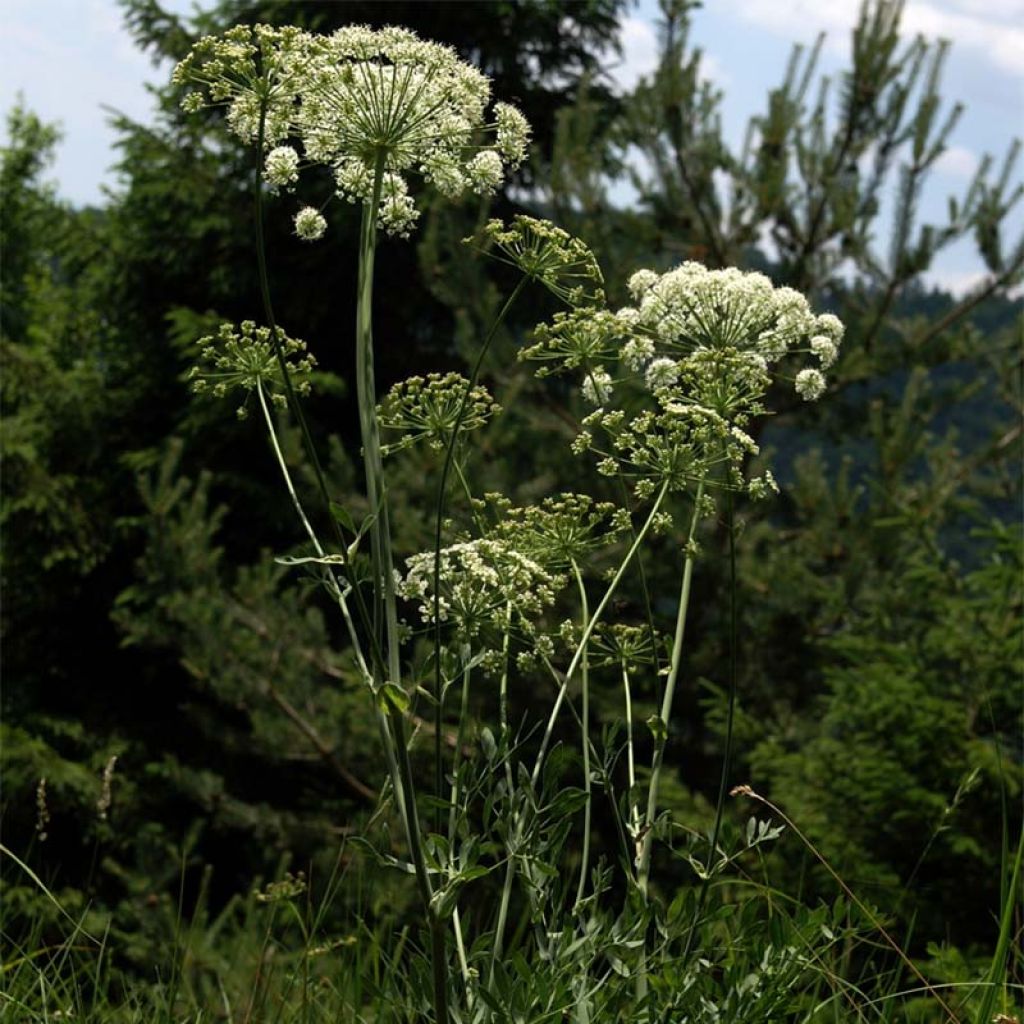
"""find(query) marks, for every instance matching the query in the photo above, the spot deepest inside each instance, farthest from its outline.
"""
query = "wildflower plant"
(670, 386)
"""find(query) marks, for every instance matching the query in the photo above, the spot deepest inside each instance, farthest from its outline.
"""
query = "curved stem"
(268, 419)
(585, 729)
(442, 487)
(591, 626)
(644, 867)
(723, 781)
(647, 842)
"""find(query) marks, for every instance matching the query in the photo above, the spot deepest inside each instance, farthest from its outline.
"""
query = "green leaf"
(658, 728)
(343, 516)
(392, 698)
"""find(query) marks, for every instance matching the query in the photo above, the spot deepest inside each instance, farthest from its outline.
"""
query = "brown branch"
(969, 302)
(355, 784)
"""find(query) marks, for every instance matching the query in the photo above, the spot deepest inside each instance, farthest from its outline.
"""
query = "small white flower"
(353, 178)
(513, 132)
(825, 349)
(831, 326)
(762, 487)
(810, 384)
(444, 171)
(282, 166)
(310, 224)
(640, 282)
(662, 373)
(758, 361)
(485, 172)
(597, 386)
(637, 351)
(398, 212)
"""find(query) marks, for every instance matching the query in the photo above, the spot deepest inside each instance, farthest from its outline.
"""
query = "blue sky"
(70, 58)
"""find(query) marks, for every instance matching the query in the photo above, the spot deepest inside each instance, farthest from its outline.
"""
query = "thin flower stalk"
(591, 625)
(662, 726)
(634, 811)
(385, 609)
(442, 493)
(300, 511)
(335, 588)
(506, 888)
(585, 731)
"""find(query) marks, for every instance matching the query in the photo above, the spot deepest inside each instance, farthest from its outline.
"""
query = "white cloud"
(992, 30)
(640, 48)
(1004, 10)
(713, 70)
(999, 42)
(957, 282)
(799, 20)
(639, 53)
(957, 162)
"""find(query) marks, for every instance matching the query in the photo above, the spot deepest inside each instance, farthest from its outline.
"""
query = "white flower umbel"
(248, 69)
(282, 166)
(662, 373)
(375, 105)
(597, 386)
(810, 384)
(310, 224)
(243, 358)
(481, 583)
(385, 102)
(727, 332)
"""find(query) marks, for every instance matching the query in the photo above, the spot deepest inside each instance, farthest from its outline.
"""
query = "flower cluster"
(691, 312)
(552, 257)
(244, 357)
(484, 584)
(432, 408)
(373, 105)
(248, 69)
(625, 646)
(702, 348)
(580, 338)
(561, 531)
(675, 444)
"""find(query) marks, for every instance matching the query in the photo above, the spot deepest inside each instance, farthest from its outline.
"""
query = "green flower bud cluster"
(244, 358)
(562, 530)
(431, 408)
(552, 257)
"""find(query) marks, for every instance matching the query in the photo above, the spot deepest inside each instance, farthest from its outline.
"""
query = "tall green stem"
(591, 626)
(506, 889)
(644, 867)
(293, 401)
(442, 487)
(385, 612)
(661, 736)
(634, 813)
(585, 729)
(723, 782)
